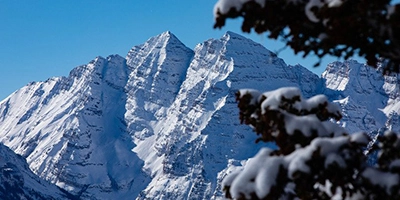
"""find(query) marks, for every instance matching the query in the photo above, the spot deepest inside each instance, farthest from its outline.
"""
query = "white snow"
(360, 138)
(305, 124)
(395, 164)
(273, 98)
(327, 146)
(255, 94)
(334, 128)
(258, 175)
(260, 172)
(223, 6)
(314, 102)
(267, 175)
(384, 179)
(334, 158)
(334, 3)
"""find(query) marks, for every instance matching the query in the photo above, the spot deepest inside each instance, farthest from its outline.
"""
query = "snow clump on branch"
(312, 151)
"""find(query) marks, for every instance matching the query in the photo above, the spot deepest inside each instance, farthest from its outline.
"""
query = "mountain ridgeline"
(163, 123)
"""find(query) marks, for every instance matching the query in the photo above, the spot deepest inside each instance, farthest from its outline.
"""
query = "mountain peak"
(238, 44)
(164, 41)
(229, 35)
(350, 68)
(168, 34)
(139, 127)
(167, 38)
(232, 34)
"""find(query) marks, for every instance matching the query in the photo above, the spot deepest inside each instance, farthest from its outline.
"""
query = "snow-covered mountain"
(369, 100)
(162, 123)
(17, 181)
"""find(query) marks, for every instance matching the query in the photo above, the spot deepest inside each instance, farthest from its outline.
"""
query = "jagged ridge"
(161, 123)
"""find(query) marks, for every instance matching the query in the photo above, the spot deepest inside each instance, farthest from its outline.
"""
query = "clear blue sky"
(45, 38)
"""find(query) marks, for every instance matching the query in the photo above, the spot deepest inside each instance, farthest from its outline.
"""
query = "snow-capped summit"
(162, 122)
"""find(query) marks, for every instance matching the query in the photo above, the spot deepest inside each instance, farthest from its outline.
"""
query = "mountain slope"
(17, 181)
(72, 136)
(162, 123)
(368, 99)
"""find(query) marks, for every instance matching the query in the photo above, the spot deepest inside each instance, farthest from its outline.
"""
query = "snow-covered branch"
(327, 168)
(315, 159)
(339, 28)
(285, 117)
(299, 173)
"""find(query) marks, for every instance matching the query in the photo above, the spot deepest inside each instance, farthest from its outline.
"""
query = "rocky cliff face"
(162, 123)
(369, 100)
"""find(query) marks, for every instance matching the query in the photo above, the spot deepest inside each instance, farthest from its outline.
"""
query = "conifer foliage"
(315, 158)
(339, 28)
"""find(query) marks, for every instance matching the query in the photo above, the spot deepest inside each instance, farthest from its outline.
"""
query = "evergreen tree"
(316, 158)
(342, 28)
